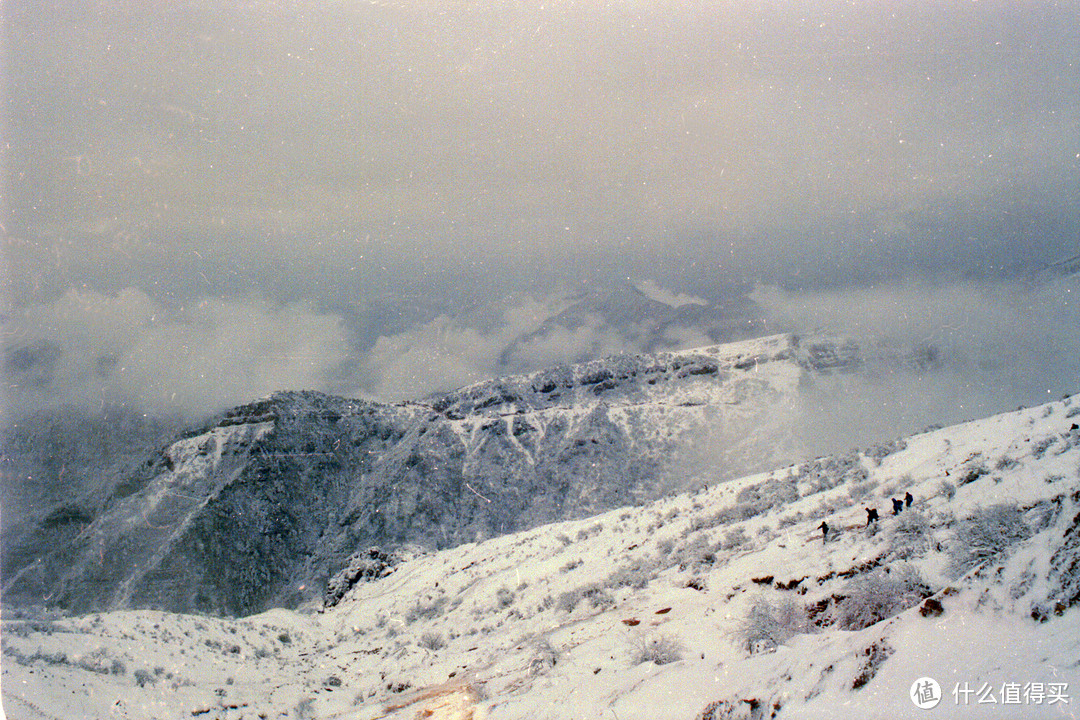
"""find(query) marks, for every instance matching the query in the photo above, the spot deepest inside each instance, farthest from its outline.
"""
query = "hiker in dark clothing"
(897, 506)
(908, 499)
(824, 527)
(871, 516)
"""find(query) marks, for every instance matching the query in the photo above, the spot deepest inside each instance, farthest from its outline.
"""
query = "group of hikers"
(872, 514)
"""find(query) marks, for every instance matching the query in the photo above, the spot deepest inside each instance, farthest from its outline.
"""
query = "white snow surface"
(561, 621)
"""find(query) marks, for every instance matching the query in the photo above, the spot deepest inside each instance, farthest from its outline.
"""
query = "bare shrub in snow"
(770, 623)
(1042, 446)
(426, 610)
(879, 595)
(658, 649)
(789, 520)
(665, 546)
(1006, 463)
(545, 658)
(504, 598)
(947, 489)
(431, 640)
(144, 678)
(985, 536)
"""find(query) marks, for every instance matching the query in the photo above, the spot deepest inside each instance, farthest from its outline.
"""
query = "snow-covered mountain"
(259, 508)
(722, 602)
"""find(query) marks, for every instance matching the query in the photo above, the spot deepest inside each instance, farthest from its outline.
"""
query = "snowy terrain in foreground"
(720, 603)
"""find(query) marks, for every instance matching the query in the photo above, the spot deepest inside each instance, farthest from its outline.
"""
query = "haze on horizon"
(206, 202)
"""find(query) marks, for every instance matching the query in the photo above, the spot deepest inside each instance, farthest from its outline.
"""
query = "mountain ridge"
(259, 507)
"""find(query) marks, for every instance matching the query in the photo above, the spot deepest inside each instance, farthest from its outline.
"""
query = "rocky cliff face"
(262, 506)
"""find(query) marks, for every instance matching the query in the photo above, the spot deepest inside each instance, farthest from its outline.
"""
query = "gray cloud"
(494, 131)
(384, 164)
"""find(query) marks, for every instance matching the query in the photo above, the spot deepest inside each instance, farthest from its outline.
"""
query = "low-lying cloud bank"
(996, 345)
(89, 349)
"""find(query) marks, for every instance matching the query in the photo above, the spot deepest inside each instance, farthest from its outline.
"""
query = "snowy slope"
(644, 612)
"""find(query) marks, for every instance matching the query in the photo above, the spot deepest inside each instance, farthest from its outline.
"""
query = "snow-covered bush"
(882, 451)
(770, 623)
(860, 490)
(697, 551)
(571, 564)
(973, 473)
(659, 650)
(826, 473)
(764, 496)
(636, 575)
(909, 535)
(879, 595)
(870, 661)
(596, 595)
(734, 538)
(947, 489)
(987, 534)
(789, 520)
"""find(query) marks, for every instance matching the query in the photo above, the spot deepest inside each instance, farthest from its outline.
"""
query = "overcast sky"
(258, 192)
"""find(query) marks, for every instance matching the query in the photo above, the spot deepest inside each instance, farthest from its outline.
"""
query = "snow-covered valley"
(722, 602)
